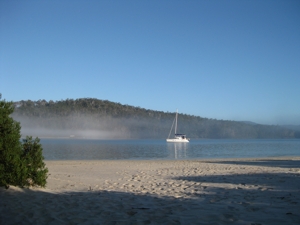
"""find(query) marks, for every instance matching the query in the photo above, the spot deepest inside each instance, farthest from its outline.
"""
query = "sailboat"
(177, 137)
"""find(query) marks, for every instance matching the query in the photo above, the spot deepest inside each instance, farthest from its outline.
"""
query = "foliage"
(32, 157)
(10, 147)
(94, 114)
(20, 164)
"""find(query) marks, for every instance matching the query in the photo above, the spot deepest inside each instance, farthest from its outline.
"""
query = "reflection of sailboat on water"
(177, 137)
(178, 150)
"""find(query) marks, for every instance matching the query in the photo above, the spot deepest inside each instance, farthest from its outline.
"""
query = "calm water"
(72, 149)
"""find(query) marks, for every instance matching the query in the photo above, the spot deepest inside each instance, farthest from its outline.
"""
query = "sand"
(229, 191)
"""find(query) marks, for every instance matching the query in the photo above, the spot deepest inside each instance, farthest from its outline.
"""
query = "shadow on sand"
(264, 162)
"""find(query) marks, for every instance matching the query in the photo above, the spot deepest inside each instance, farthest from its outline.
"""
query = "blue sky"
(230, 60)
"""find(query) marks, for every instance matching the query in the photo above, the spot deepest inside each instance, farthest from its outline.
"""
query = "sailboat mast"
(176, 122)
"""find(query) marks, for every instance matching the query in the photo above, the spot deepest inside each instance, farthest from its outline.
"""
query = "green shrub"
(32, 158)
(20, 164)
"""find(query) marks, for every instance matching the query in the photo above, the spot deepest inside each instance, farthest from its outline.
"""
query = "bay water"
(83, 149)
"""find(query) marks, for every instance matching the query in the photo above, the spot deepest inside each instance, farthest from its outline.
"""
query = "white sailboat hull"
(177, 140)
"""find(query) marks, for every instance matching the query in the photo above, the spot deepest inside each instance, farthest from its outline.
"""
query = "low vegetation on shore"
(21, 163)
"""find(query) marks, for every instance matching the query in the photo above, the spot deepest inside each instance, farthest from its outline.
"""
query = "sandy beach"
(229, 191)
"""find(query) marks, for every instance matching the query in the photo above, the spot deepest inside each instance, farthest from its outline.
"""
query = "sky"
(228, 60)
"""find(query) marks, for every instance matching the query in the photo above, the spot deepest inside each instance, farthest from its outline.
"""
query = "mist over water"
(72, 133)
(91, 127)
(81, 137)
(99, 125)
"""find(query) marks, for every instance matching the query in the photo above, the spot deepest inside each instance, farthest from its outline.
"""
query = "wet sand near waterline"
(228, 191)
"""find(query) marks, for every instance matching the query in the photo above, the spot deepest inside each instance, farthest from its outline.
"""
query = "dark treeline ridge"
(94, 118)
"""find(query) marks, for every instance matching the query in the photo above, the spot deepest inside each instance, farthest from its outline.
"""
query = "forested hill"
(94, 118)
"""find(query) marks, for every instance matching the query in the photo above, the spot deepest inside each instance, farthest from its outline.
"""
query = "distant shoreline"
(206, 160)
(191, 139)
